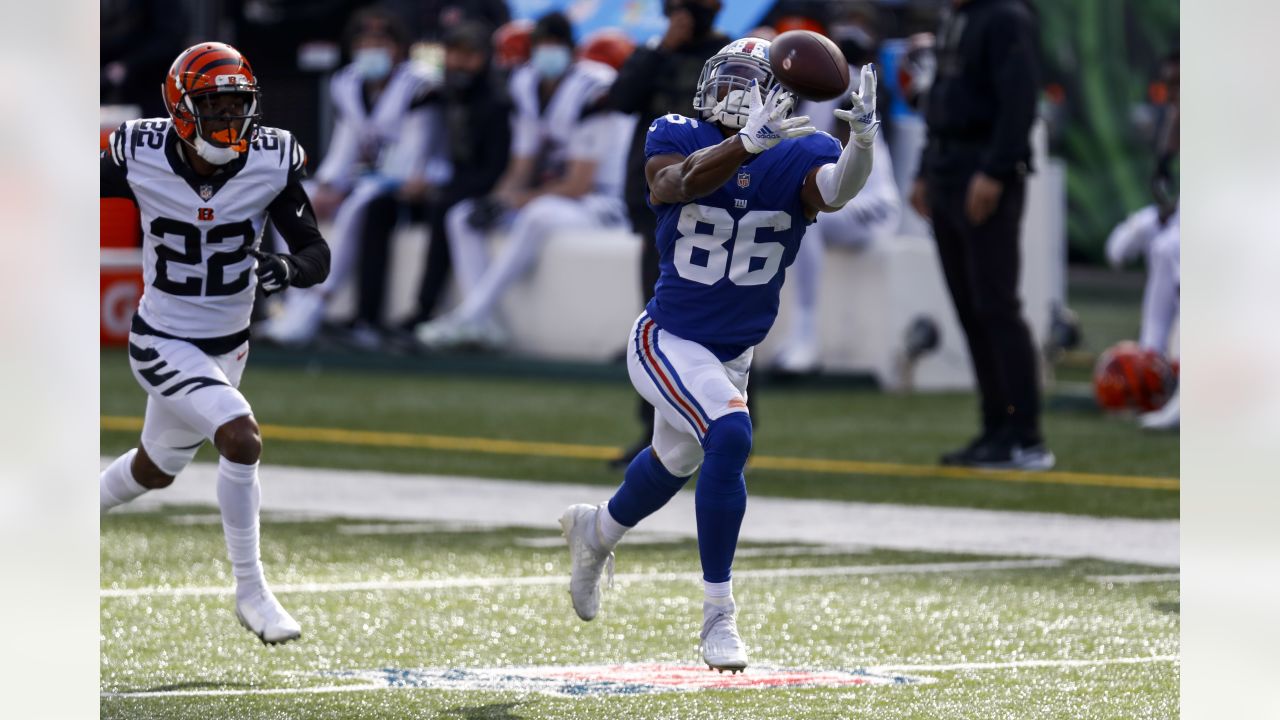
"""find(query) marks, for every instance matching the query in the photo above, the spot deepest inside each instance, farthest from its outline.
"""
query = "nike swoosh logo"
(300, 209)
(241, 355)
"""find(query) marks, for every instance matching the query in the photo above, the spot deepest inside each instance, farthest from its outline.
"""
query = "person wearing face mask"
(566, 170)
(658, 78)
(385, 141)
(475, 109)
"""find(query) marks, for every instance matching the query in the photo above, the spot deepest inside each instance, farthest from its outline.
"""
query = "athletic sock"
(239, 496)
(720, 594)
(646, 487)
(608, 529)
(720, 500)
(116, 485)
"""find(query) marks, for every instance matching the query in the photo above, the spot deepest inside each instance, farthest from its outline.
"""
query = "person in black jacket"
(658, 79)
(476, 111)
(971, 185)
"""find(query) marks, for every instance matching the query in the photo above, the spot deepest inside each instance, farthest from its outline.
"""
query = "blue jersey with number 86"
(723, 257)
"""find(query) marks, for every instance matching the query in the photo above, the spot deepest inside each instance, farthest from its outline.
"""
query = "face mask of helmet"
(725, 92)
(230, 141)
(372, 63)
(551, 61)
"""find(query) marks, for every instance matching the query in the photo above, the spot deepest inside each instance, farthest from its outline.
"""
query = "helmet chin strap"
(213, 154)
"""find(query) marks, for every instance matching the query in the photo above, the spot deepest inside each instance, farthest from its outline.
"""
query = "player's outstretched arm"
(674, 178)
(829, 187)
(679, 179)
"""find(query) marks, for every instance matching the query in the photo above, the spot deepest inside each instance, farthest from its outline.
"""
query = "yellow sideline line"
(374, 438)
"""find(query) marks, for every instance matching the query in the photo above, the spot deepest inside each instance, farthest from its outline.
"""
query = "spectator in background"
(277, 34)
(383, 143)
(139, 40)
(431, 20)
(658, 79)
(1155, 231)
(566, 170)
(476, 115)
(871, 216)
(971, 185)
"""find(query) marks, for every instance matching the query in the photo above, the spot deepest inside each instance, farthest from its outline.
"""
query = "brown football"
(809, 65)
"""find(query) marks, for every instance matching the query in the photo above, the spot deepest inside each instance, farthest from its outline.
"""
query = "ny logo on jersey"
(206, 192)
(744, 180)
(204, 214)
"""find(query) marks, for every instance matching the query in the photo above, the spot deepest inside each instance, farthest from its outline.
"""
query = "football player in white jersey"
(204, 180)
(567, 170)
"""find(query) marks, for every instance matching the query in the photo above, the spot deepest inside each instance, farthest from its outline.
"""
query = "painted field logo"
(628, 679)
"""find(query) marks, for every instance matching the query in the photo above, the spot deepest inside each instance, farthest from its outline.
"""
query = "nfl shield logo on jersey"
(206, 192)
(744, 180)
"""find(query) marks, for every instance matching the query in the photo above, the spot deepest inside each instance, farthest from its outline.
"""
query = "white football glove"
(862, 118)
(767, 121)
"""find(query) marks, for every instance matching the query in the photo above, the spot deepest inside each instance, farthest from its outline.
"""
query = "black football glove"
(275, 272)
(485, 212)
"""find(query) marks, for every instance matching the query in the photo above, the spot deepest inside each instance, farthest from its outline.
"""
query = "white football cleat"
(588, 558)
(722, 647)
(799, 357)
(1166, 418)
(299, 321)
(265, 617)
(449, 333)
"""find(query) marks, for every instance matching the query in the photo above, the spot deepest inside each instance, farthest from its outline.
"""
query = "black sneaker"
(964, 455)
(1003, 454)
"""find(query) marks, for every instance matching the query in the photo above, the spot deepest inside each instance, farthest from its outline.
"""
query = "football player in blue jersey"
(733, 189)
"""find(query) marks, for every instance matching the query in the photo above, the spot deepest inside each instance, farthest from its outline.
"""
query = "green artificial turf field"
(477, 624)
(426, 620)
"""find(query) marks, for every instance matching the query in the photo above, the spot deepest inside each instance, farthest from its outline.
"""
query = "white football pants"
(189, 396)
(1142, 233)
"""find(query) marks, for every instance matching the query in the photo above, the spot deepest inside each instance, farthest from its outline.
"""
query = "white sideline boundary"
(563, 579)
(956, 667)
(368, 495)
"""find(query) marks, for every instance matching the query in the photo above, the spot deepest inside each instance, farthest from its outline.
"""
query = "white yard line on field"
(536, 580)
(421, 498)
(1138, 578)
(1014, 664)
(320, 690)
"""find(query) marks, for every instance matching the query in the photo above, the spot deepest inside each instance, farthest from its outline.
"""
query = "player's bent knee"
(147, 473)
(681, 460)
(729, 434)
(239, 440)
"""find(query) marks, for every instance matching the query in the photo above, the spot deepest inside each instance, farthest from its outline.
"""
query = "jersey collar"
(204, 186)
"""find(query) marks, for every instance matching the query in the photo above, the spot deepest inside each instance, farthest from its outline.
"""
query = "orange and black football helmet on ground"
(200, 80)
(1128, 377)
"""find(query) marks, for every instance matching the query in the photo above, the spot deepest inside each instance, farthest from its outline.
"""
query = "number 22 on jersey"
(720, 258)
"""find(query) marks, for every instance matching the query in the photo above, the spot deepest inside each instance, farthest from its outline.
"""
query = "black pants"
(381, 217)
(981, 264)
